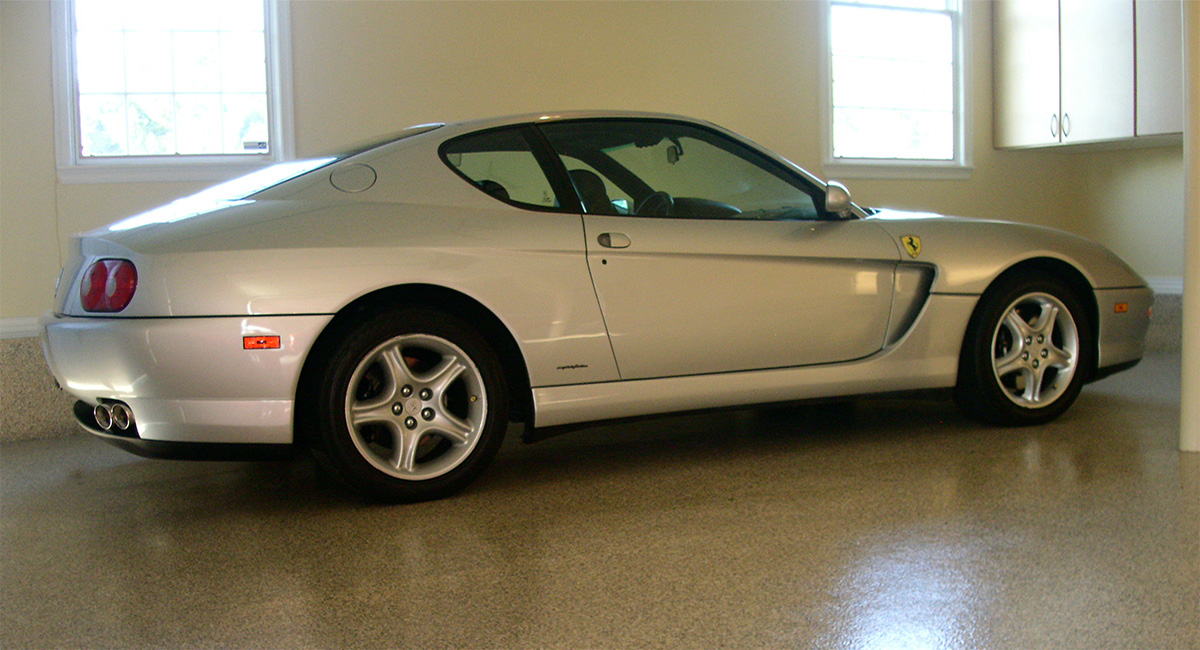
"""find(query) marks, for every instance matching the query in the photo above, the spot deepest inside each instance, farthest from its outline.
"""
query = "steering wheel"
(658, 204)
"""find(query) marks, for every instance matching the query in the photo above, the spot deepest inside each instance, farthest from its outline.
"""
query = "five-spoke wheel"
(1035, 350)
(416, 406)
(412, 405)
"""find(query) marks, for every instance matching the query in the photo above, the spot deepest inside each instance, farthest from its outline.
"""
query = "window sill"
(167, 172)
(898, 171)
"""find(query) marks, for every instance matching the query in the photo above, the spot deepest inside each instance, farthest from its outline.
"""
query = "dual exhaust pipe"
(114, 415)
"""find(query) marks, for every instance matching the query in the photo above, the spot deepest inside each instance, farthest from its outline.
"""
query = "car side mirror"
(837, 199)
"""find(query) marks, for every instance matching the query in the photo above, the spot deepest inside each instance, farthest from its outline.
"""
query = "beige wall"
(365, 68)
(1134, 203)
(29, 258)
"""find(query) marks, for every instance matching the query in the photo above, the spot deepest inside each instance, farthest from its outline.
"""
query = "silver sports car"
(395, 308)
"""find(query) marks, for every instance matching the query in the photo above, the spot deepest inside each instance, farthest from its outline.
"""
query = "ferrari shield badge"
(912, 244)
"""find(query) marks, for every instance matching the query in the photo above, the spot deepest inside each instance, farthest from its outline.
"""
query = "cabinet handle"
(1066, 125)
(1054, 126)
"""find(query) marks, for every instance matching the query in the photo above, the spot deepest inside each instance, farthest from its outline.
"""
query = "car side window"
(597, 193)
(673, 169)
(502, 164)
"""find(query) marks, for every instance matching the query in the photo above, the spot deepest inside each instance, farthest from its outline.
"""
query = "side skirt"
(926, 358)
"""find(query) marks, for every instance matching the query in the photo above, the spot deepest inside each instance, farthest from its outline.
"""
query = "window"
(150, 90)
(896, 85)
(668, 169)
(502, 164)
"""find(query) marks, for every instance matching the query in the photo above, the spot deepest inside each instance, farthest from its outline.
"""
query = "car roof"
(557, 116)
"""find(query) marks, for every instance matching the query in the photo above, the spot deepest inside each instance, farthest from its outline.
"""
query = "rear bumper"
(171, 450)
(186, 380)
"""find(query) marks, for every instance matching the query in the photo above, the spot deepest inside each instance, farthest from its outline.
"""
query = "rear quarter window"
(501, 164)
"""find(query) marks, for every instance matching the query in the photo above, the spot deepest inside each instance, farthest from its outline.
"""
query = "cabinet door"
(1026, 72)
(1159, 66)
(1097, 70)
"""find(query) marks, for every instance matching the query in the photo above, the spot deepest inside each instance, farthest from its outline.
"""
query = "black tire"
(1027, 352)
(411, 405)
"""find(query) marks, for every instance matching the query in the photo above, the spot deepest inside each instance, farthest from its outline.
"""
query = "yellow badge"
(912, 244)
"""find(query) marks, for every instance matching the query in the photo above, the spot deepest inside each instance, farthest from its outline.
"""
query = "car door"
(712, 258)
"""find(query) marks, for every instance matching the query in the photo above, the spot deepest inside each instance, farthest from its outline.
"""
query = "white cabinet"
(1097, 70)
(1026, 73)
(1159, 67)
(1073, 72)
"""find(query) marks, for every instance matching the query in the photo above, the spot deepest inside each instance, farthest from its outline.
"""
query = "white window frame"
(957, 168)
(75, 168)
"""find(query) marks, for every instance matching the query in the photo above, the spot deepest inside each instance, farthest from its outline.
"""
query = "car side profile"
(394, 308)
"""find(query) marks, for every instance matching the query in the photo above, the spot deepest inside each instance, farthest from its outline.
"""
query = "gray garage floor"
(882, 524)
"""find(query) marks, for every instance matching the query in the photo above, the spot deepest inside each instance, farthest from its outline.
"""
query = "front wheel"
(412, 406)
(1026, 354)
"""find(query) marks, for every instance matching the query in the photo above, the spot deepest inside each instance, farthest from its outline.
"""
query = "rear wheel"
(1026, 354)
(412, 405)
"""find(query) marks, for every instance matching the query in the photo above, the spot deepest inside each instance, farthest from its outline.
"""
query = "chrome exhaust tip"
(122, 417)
(104, 416)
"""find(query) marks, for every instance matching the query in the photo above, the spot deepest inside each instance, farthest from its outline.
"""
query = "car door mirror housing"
(837, 199)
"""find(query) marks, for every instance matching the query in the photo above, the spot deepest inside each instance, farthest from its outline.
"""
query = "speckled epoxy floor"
(884, 524)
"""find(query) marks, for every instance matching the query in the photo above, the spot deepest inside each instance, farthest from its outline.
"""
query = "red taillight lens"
(108, 286)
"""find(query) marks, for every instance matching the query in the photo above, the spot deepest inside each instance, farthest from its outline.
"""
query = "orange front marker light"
(260, 342)
(1121, 307)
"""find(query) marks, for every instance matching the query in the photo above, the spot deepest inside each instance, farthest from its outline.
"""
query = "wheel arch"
(1075, 280)
(427, 295)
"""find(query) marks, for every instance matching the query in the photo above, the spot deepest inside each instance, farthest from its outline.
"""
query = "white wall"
(367, 68)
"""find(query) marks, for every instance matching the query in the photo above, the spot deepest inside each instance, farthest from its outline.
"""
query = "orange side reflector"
(1122, 307)
(260, 342)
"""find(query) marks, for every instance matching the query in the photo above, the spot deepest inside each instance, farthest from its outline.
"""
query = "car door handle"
(614, 240)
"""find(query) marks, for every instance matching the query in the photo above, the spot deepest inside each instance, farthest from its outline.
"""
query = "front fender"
(971, 253)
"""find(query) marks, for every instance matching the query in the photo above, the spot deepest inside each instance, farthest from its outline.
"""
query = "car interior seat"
(592, 193)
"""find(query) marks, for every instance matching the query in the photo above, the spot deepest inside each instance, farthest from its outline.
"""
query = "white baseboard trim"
(19, 328)
(1167, 285)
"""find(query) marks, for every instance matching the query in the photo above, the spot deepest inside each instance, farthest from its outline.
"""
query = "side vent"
(910, 292)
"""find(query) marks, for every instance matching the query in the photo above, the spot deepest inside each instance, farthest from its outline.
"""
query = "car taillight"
(108, 286)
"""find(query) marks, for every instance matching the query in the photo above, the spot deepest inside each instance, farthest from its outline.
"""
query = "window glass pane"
(197, 16)
(197, 68)
(935, 5)
(101, 66)
(893, 134)
(245, 122)
(149, 71)
(99, 15)
(236, 15)
(151, 125)
(147, 15)
(243, 63)
(678, 170)
(893, 75)
(892, 34)
(198, 123)
(168, 78)
(502, 164)
(860, 83)
(102, 122)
